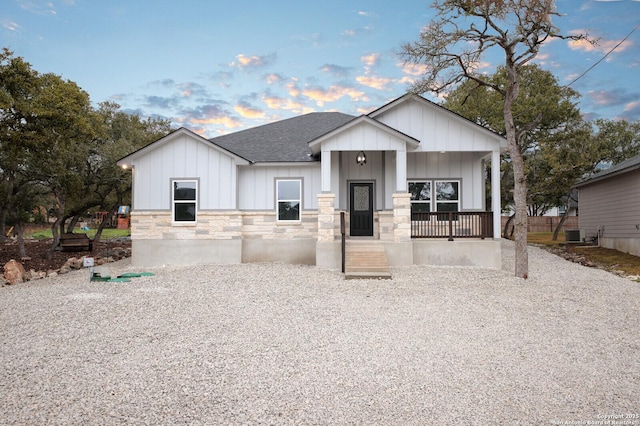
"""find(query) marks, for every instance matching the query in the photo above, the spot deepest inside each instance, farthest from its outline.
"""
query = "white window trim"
(174, 202)
(278, 201)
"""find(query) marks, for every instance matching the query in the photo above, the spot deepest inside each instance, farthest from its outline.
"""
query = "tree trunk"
(73, 223)
(5, 208)
(564, 217)
(505, 231)
(57, 227)
(103, 223)
(19, 229)
(3, 225)
(519, 175)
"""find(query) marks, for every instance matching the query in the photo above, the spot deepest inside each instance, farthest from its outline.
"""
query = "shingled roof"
(622, 167)
(282, 141)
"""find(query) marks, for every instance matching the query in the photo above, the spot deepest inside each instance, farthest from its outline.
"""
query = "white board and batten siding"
(257, 190)
(612, 203)
(467, 167)
(364, 137)
(185, 157)
(438, 129)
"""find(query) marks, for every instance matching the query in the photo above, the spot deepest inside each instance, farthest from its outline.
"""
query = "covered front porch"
(411, 176)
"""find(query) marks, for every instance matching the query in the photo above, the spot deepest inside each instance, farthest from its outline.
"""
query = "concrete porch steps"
(366, 260)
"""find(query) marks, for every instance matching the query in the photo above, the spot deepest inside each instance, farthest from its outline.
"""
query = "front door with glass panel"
(361, 209)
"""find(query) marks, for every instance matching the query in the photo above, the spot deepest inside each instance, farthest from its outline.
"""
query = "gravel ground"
(280, 344)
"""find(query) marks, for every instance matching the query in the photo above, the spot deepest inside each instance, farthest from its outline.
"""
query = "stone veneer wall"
(156, 225)
(262, 225)
(222, 225)
(401, 217)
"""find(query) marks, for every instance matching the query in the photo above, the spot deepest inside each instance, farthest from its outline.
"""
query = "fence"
(546, 223)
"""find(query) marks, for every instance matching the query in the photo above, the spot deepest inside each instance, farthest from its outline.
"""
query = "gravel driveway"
(281, 344)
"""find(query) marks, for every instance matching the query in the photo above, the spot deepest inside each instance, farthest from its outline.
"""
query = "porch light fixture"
(361, 158)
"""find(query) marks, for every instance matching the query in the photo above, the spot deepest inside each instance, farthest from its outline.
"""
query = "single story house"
(409, 176)
(610, 207)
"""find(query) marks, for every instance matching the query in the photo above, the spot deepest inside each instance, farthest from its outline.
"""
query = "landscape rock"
(64, 269)
(74, 263)
(14, 272)
(37, 275)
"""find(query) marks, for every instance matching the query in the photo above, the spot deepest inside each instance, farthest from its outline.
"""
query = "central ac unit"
(574, 235)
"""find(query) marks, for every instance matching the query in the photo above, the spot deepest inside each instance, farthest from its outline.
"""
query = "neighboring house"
(610, 206)
(409, 176)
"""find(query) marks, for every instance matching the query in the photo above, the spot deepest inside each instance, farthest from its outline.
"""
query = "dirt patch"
(36, 253)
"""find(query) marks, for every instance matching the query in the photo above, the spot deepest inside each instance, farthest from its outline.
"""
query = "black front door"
(361, 209)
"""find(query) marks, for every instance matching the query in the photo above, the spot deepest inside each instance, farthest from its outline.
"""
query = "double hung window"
(184, 200)
(288, 199)
(420, 196)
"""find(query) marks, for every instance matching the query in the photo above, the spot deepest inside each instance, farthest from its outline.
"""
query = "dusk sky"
(220, 66)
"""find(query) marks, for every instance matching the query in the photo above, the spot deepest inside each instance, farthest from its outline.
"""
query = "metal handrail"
(344, 240)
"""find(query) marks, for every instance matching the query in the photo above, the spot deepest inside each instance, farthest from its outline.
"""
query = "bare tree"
(452, 46)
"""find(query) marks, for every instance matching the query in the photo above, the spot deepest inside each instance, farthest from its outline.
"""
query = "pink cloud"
(371, 59)
(247, 111)
(321, 96)
(601, 45)
(379, 83)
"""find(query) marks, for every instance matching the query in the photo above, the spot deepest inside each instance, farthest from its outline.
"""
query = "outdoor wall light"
(361, 158)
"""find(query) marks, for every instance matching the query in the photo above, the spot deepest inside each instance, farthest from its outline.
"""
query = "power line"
(605, 56)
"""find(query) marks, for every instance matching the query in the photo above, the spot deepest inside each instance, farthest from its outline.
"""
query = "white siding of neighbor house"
(184, 157)
(437, 129)
(613, 203)
(256, 185)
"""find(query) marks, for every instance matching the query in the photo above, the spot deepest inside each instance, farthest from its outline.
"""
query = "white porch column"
(326, 171)
(495, 193)
(401, 171)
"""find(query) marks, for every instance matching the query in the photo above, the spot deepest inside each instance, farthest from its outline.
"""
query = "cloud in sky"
(334, 93)
(414, 70)
(245, 62)
(287, 104)
(191, 89)
(9, 25)
(337, 71)
(163, 102)
(618, 96)
(631, 111)
(210, 114)
(292, 88)
(39, 7)
(371, 59)
(274, 78)
(601, 45)
(247, 111)
(380, 83)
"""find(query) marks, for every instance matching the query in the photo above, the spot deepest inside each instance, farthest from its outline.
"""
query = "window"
(438, 196)
(184, 200)
(447, 196)
(420, 197)
(288, 199)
